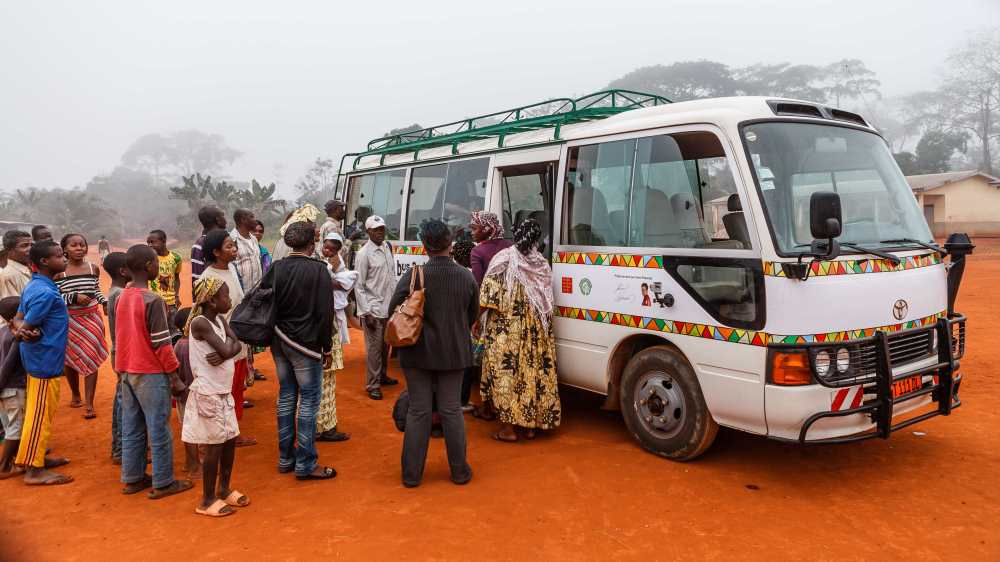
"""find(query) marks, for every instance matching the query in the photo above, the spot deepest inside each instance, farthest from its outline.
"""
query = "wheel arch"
(624, 350)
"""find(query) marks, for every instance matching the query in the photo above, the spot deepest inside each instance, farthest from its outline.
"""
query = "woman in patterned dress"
(519, 361)
(86, 348)
(326, 417)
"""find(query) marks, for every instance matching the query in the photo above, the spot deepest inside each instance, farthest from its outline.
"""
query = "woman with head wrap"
(519, 360)
(488, 233)
(305, 213)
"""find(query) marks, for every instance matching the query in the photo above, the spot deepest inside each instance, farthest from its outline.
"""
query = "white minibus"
(753, 263)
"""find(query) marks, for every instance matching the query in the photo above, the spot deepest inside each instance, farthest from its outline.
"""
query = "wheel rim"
(659, 404)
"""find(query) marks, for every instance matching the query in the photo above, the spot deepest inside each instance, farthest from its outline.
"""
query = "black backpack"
(254, 318)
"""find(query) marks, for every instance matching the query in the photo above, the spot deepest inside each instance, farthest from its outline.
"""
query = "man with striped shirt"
(211, 218)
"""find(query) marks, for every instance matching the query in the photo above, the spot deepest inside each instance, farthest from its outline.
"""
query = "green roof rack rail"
(553, 113)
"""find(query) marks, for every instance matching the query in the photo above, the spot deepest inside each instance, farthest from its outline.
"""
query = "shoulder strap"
(413, 278)
(92, 272)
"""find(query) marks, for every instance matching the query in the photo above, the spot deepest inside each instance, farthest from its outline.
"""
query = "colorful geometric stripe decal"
(615, 260)
(849, 335)
(854, 267)
(409, 250)
(731, 335)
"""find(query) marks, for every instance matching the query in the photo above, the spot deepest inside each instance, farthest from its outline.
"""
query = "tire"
(663, 406)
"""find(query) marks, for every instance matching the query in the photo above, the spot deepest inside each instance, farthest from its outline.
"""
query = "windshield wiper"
(927, 245)
(884, 255)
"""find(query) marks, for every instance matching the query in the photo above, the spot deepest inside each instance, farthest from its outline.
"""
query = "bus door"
(526, 193)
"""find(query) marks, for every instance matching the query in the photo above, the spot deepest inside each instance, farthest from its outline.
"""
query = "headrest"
(733, 203)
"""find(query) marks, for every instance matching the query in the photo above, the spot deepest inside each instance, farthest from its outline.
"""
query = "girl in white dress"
(210, 413)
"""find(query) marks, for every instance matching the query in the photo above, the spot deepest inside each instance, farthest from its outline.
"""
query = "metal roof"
(924, 182)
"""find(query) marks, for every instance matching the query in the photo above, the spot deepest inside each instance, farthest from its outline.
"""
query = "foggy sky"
(288, 81)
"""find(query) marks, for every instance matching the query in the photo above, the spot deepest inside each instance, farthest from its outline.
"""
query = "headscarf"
(488, 222)
(529, 268)
(204, 290)
(305, 213)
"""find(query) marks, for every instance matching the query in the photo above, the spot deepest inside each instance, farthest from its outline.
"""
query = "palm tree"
(260, 199)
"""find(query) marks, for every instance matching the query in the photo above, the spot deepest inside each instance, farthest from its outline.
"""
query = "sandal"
(327, 474)
(76, 403)
(218, 508)
(333, 436)
(176, 487)
(245, 441)
(478, 413)
(503, 439)
(89, 415)
(136, 487)
(236, 499)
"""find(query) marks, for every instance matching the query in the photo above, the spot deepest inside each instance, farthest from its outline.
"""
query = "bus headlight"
(822, 363)
(843, 360)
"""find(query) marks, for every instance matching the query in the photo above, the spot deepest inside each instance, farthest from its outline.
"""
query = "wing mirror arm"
(825, 224)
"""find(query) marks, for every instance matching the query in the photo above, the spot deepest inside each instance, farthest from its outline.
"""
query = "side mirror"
(824, 215)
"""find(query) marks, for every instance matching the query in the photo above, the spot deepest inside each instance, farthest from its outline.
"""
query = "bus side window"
(449, 192)
(597, 192)
(376, 194)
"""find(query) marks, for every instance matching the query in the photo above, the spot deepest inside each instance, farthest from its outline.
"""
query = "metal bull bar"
(950, 333)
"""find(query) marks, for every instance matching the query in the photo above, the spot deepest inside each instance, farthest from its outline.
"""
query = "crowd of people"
(487, 319)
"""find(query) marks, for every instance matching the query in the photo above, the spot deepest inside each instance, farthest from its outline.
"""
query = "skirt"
(209, 419)
(326, 417)
(86, 349)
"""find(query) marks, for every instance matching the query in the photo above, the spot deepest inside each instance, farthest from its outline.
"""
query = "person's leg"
(12, 416)
(116, 422)
(153, 393)
(133, 433)
(89, 390)
(213, 453)
(418, 426)
(192, 460)
(226, 468)
(384, 359)
(73, 380)
(449, 387)
(288, 395)
(309, 375)
(374, 345)
(468, 376)
(239, 378)
(42, 399)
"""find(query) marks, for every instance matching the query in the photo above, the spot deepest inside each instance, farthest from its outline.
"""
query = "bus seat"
(659, 224)
(736, 222)
(688, 219)
(589, 211)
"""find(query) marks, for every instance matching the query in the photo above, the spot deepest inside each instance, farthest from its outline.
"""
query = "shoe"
(257, 376)
(247, 404)
(468, 408)
(387, 381)
(375, 394)
(463, 481)
(332, 435)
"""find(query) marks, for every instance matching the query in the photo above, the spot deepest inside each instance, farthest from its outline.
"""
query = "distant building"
(959, 202)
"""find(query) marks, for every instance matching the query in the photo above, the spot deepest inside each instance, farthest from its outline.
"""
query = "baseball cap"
(374, 221)
(334, 236)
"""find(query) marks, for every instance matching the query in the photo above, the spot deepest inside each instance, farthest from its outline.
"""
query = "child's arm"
(202, 330)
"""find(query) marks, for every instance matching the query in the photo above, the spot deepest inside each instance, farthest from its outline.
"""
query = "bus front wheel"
(663, 407)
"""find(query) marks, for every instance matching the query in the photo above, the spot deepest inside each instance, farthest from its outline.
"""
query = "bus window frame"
(487, 196)
(735, 168)
(349, 216)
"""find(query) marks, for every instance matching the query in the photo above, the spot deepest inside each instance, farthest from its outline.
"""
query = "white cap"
(334, 236)
(374, 221)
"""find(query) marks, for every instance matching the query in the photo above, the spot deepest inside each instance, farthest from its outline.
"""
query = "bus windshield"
(794, 160)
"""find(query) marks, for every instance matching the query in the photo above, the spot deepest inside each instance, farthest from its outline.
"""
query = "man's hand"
(214, 359)
(176, 384)
(327, 360)
(27, 333)
(366, 320)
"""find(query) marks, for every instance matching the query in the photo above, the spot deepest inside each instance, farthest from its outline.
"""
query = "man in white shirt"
(376, 267)
(15, 276)
(247, 249)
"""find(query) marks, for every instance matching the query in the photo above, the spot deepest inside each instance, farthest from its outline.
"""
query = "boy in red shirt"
(148, 368)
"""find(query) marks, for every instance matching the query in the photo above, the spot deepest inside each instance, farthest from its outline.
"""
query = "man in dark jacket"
(435, 363)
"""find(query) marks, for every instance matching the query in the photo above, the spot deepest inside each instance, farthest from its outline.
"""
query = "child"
(42, 325)
(210, 415)
(12, 383)
(168, 280)
(80, 288)
(146, 361)
(114, 265)
(182, 351)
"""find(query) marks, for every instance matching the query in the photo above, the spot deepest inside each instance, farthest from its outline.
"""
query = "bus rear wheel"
(663, 406)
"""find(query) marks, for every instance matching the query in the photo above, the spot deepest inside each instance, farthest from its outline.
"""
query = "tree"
(140, 203)
(907, 163)
(402, 130)
(849, 79)
(260, 199)
(26, 202)
(935, 149)
(180, 153)
(681, 81)
(783, 79)
(973, 92)
(75, 210)
(318, 182)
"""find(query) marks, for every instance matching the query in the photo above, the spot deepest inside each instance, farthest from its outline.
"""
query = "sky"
(285, 82)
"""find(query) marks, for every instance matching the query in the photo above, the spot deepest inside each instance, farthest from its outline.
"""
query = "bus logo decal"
(899, 309)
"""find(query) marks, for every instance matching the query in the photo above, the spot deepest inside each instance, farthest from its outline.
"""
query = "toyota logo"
(899, 309)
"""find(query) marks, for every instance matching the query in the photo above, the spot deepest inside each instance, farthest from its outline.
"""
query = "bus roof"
(556, 121)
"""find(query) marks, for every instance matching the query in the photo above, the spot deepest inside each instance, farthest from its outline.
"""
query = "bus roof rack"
(553, 113)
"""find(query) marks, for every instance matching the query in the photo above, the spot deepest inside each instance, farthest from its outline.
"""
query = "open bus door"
(526, 193)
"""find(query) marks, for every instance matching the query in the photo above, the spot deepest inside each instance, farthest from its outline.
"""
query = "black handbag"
(254, 318)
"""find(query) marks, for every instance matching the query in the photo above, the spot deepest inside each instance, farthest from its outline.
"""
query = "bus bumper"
(823, 418)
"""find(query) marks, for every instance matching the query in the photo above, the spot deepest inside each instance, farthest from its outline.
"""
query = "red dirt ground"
(585, 492)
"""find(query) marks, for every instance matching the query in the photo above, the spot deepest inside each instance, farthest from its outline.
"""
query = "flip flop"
(89, 415)
(236, 499)
(56, 480)
(218, 508)
(176, 487)
(328, 473)
(54, 462)
(249, 441)
(502, 439)
(136, 487)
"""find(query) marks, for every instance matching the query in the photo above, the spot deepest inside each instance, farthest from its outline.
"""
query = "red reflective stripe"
(857, 397)
(838, 400)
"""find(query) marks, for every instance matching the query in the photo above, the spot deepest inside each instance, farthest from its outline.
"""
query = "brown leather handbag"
(403, 328)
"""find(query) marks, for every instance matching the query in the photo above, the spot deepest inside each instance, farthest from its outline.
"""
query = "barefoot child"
(42, 325)
(210, 414)
(146, 361)
(182, 350)
(114, 265)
